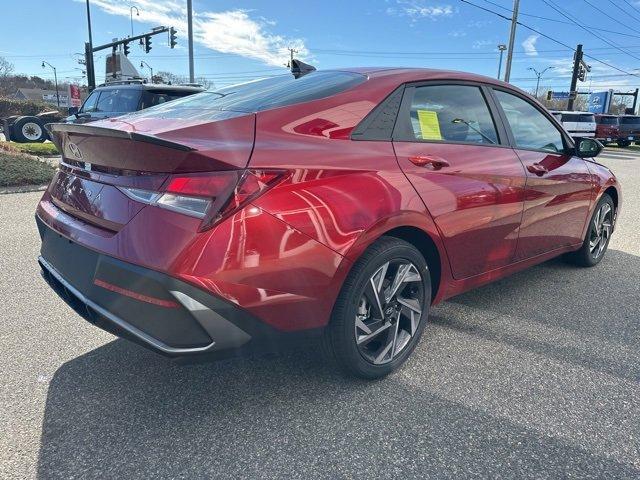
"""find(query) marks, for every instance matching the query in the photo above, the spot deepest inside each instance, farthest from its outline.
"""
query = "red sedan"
(341, 204)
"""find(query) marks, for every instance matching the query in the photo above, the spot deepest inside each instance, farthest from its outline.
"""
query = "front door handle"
(433, 161)
(538, 169)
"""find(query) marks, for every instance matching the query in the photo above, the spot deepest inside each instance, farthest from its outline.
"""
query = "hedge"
(19, 169)
(11, 106)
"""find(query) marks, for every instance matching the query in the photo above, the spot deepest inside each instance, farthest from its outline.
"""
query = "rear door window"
(629, 120)
(451, 113)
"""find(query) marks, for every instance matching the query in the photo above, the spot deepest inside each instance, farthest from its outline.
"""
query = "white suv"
(578, 124)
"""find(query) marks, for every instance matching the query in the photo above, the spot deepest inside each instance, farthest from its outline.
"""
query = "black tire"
(623, 143)
(404, 261)
(28, 129)
(587, 256)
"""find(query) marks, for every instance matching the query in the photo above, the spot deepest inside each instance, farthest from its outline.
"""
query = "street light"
(55, 77)
(502, 47)
(145, 64)
(131, 9)
(538, 74)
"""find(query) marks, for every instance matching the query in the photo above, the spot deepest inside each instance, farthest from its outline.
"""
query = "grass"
(47, 148)
(17, 169)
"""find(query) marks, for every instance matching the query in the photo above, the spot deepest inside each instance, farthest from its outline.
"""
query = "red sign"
(74, 96)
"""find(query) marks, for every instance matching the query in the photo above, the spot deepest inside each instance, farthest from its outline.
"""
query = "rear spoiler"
(54, 128)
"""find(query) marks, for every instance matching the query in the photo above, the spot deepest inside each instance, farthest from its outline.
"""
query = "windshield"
(629, 120)
(607, 120)
(578, 117)
(258, 95)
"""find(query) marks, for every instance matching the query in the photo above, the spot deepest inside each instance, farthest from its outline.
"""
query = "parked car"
(629, 130)
(117, 98)
(578, 124)
(341, 204)
(607, 128)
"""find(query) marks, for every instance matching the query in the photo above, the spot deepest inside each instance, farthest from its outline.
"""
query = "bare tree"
(6, 67)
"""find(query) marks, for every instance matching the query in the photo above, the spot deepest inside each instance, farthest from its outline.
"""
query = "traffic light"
(172, 37)
(549, 95)
(582, 73)
(147, 43)
(126, 49)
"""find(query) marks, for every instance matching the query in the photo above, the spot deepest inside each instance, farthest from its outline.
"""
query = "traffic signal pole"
(577, 61)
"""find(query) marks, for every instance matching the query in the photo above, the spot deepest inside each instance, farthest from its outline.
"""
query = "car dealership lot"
(535, 375)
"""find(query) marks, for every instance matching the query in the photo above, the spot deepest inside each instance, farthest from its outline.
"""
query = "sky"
(238, 40)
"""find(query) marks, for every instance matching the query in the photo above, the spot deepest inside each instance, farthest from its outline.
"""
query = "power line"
(625, 10)
(569, 17)
(609, 16)
(549, 38)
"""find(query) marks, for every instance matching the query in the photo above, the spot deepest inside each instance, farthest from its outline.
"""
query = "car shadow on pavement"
(121, 411)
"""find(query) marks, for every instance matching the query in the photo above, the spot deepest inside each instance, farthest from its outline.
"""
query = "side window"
(531, 129)
(451, 113)
(90, 103)
(105, 103)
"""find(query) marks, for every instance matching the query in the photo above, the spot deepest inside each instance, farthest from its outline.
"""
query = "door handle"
(538, 169)
(434, 161)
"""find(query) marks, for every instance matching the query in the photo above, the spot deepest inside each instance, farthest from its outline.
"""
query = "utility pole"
(190, 37)
(502, 47)
(88, 55)
(577, 62)
(538, 74)
(512, 39)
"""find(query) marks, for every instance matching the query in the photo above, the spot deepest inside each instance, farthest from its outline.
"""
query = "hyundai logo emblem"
(73, 148)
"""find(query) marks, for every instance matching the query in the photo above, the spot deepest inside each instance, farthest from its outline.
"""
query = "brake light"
(209, 196)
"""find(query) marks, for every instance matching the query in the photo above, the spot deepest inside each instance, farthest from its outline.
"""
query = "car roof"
(152, 86)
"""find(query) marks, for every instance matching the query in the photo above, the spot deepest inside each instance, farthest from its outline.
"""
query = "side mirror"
(587, 147)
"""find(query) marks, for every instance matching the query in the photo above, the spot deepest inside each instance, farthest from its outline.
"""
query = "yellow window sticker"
(429, 125)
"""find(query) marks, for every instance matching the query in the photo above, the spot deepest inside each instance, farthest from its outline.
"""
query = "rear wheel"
(623, 143)
(598, 234)
(381, 311)
(29, 129)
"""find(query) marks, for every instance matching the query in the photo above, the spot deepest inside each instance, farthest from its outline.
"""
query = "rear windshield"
(629, 120)
(259, 95)
(607, 120)
(578, 117)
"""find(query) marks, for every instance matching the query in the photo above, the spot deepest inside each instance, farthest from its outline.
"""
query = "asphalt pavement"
(537, 375)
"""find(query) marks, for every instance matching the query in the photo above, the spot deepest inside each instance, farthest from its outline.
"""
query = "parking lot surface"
(537, 375)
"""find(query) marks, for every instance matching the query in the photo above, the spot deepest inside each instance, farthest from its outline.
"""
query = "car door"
(558, 189)
(455, 152)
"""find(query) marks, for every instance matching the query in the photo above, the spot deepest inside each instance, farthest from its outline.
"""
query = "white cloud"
(231, 31)
(417, 9)
(481, 44)
(529, 45)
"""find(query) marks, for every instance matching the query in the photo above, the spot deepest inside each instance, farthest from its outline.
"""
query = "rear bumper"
(152, 309)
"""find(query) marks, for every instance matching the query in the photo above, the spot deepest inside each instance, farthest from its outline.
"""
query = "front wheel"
(381, 311)
(598, 235)
(29, 129)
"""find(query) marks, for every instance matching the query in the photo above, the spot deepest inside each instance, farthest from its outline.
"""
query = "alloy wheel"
(389, 311)
(600, 230)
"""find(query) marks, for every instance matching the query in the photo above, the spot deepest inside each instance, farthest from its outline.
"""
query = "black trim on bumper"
(201, 323)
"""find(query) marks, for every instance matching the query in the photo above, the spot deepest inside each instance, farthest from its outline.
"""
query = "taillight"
(210, 196)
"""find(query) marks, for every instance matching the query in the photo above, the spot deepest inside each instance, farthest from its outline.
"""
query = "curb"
(23, 189)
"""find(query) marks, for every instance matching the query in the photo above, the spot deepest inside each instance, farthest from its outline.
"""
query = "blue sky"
(240, 40)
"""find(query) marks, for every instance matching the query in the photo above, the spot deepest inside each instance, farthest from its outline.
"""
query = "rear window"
(259, 95)
(151, 98)
(578, 117)
(629, 120)
(607, 120)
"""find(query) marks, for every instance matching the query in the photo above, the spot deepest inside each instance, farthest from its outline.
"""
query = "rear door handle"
(538, 169)
(433, 161)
